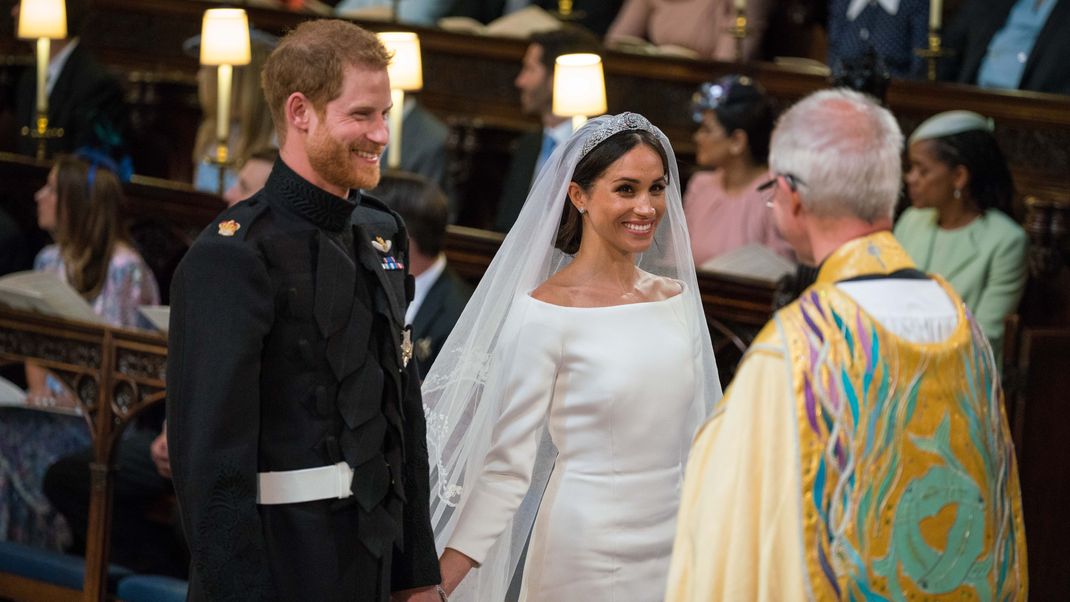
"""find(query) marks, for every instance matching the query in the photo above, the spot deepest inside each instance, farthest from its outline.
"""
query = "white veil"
(463, 392)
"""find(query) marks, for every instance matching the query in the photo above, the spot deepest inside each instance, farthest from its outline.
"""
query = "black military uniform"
(287, 352)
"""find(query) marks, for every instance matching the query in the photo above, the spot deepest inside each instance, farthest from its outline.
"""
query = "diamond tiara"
(614, 125)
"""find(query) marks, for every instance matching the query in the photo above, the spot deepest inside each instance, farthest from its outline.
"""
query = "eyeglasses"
(792, 180)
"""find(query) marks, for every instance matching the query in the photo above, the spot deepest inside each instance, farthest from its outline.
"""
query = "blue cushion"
(152, 588)
(51, 567)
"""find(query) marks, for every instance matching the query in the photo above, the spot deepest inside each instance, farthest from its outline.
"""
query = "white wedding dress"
(614, 386)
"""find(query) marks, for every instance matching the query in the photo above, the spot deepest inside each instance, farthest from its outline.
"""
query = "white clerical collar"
(856, 7)
(423, 283)
(55, 66)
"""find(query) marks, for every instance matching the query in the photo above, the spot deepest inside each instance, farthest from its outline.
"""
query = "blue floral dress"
(31, 440)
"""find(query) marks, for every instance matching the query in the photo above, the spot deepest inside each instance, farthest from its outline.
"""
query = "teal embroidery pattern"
(910, 487)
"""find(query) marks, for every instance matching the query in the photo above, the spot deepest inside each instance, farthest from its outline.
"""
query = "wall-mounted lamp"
(406, 75)
(579, 87)
(44, 21)
(224, 44)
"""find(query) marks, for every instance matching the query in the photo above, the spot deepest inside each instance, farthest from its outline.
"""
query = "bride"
(563, 403)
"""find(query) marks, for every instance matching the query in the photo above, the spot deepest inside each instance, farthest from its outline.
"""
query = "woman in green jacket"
(959, 225)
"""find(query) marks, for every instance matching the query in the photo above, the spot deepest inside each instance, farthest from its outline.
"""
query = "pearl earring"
(958, 193)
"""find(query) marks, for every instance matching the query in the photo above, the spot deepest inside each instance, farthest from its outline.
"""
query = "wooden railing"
(115, 374)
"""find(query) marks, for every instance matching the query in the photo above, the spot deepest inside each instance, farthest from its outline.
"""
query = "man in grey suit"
(423, 149)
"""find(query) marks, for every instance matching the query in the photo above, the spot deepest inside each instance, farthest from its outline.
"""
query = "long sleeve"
(739, 529)
(506, 476)
(1004, 287)
(222, 309)
(416, 563)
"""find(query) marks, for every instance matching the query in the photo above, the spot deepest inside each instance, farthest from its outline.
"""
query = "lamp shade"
(225, 37)
(579, 86)
(42, 19)
(406, 68)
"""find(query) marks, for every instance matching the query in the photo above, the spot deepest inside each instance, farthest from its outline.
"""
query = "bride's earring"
(581, 210)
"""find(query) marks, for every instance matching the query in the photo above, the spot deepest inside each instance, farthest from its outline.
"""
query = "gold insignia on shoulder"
(228, 228)
(381, 245)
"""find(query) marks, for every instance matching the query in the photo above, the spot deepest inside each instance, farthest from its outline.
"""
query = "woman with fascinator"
(723, 206)
(563, 403)
(960, 223)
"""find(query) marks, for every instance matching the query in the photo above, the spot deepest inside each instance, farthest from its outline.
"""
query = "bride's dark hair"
(589, 169)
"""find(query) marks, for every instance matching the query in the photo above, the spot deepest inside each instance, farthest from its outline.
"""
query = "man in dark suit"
(1019, 44)
(440, 294)
(83, 98)
(294, 419)
(423, 148)
(535, 83)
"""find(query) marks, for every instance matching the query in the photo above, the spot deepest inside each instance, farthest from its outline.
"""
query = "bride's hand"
(454, 566)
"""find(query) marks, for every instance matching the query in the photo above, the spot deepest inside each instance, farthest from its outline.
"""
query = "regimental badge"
(228, 228)
(381, 245)
(406, 346)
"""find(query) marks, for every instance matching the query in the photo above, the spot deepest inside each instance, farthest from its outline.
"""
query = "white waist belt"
(306, 485)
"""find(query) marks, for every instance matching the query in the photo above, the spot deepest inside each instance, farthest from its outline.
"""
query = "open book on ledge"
(519, 24)
(44, 293)
(753, 261)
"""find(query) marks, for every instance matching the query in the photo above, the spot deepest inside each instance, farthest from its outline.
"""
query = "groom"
(295, 424)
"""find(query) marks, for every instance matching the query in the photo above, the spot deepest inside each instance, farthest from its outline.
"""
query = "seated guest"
(723, 207)
(142, 482)
(440, 294)
(1012, 44)
(535, 83)
(698, 25)
(252, 176)
(892, 29)
(83, 98)
(959, 225)
(79, 207)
